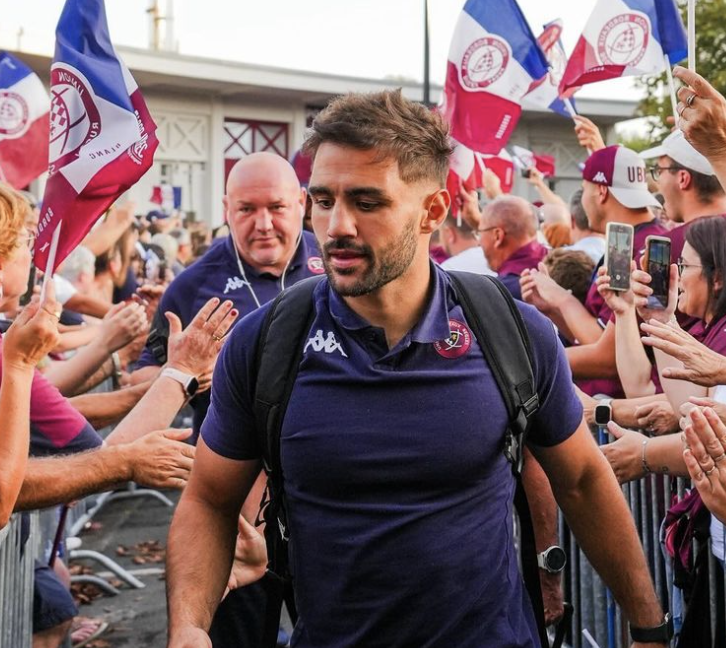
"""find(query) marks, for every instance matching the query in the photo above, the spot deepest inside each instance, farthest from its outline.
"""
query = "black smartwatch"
(659, 634)
(552, 560)
(603, 412)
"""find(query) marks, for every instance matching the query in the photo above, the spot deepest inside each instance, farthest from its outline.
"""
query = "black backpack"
(497, 323)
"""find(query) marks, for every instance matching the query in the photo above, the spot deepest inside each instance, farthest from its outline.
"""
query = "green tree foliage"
(710, 62)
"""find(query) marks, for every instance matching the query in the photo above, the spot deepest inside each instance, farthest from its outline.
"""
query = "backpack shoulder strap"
(277, 359)
(492, 313)
(502, 335)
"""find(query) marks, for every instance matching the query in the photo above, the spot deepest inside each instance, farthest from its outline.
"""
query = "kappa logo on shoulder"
(235, 283)
(600, 177)
(328, 344)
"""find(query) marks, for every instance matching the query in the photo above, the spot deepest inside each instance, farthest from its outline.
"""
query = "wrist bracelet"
(646, 467)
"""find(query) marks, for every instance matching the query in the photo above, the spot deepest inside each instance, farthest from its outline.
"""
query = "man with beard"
(398, 495)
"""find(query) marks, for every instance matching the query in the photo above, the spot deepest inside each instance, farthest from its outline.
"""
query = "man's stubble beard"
(391, 262)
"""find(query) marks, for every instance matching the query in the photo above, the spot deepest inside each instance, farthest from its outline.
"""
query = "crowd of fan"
(662, 371)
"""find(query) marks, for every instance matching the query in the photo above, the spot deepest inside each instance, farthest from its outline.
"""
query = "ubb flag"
(466, 169)
(102, 138)
(625, 38)
(544, 93)
(24, 105)
(493, 60)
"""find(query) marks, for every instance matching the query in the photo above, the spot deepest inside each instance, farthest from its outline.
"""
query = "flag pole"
(671, 87)
(50, 265)
(426, 74)
(570, 108)
(692, 35)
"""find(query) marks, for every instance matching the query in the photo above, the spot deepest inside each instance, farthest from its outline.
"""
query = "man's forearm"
(583, 326)
(603, 525)
(623, 410)
(92, 363)
(108, 408)
(87, 305)
(195, 587)
(51, 481)
(155, 411)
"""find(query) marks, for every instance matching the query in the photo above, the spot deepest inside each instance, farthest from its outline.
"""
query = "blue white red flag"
(625, 38)
(544, 93)
(168, 196)
(102, 137)
(466, 171)
(493, 60)
(24, 105)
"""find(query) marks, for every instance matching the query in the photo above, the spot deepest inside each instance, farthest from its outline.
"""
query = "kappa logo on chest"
(235, 283)
(321, 342)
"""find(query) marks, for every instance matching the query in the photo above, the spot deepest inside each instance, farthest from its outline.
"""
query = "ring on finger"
(56, 314)
(690, 100)
(708, 472)
(720, 458)
(216, 337)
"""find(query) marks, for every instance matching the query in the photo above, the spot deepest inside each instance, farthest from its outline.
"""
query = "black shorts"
(52, 602)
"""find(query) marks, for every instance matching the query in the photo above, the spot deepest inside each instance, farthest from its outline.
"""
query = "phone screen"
(659, 259)
(619, 255)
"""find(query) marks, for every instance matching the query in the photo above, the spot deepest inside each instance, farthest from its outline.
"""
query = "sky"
(368, 38)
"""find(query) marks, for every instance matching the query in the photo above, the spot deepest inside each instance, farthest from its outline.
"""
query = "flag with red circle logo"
(493, 60)
(102, 137)
(625, 38)
(24, 107)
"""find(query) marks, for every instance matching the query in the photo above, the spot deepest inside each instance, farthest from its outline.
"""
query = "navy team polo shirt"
(217, 274)
(399, 496)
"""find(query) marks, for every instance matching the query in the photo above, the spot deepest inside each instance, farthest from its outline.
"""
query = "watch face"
(603, 414)
(192, 386)
(556, 559)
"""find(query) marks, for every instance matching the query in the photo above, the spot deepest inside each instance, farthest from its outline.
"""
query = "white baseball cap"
(677, 148)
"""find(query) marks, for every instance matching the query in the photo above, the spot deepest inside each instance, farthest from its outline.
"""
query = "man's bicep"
(219, 481)
(569, 462)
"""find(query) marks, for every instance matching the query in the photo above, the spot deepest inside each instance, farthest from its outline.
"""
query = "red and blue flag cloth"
(24, 105)
(544, 93)
(466, 170)
(168, 196)
(493, 60)
(625, 38)
(102, 137)
(525, 159)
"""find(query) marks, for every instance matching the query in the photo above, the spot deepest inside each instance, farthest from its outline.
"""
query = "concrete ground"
(136, 617)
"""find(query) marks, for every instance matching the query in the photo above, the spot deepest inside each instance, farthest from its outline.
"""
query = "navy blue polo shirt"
(399, 496)
(217, 274)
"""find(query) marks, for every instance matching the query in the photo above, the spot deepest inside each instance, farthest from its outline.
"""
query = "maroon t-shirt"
(527, 257)
(711, 335)
(595, 304)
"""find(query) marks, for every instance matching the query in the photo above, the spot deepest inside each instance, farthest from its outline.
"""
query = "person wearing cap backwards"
(265, 252)
(615, 190)
(398, 494)
(688, 183)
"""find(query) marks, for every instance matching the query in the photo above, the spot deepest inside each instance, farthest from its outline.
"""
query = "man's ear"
(685, 179)
(602, 194)
(438, 208)
(225, 202)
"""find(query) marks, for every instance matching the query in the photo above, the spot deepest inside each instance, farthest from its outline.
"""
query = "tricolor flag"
(102, 138)
(625, 38)
(466, 170)
(24, 105)
(544, 93)
(168, 196)
(526, 159)
(493, 61)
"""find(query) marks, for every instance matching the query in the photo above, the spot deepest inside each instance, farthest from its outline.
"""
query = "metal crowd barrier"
(16, 581)
(597, 620)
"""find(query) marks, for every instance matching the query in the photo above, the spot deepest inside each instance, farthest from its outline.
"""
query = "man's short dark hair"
(577, 211)
(707, 187)
(572, 270)
(464, 229)
(416, 137)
